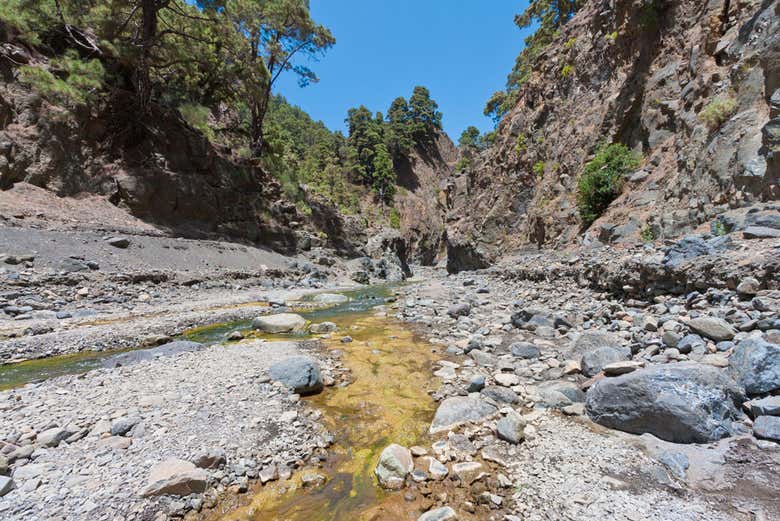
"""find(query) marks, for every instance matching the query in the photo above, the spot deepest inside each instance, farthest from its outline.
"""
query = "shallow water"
(387, 402)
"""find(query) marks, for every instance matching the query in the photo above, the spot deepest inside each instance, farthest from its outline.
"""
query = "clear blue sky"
(461, 50)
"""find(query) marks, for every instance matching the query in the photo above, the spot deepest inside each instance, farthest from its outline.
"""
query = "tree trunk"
(149, 9)
(259, 111)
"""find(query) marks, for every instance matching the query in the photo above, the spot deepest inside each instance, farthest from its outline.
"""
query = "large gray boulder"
(330, 298)
(439, 514)
(767, 428)
(593, 361)
(458, 410)
(395, 463)
(280, 323)
(510, 428)
(299, 373)
(681, 403)
(755, 364)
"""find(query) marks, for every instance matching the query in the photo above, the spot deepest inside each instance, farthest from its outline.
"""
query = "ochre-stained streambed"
(387, 402)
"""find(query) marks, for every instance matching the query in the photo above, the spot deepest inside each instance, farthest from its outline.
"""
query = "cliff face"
(639, 74)
(419, 199)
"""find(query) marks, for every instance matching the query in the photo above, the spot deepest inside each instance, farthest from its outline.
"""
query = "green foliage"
(29, 18)
(463, 164)
(650, 15)
(538, 169)
(471, 139)
(424, 115)
(602, 179)
(718, 111)
(383, 177)
(399, 131)
(395, 218)
(520, 145)
(647, 234)
(197, 116)
(570, 43)
(613, 36)
(69, 81)
(567, 70)
(497, 106)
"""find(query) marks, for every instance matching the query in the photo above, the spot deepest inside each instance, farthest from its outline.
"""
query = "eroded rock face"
(458, 410)
(681, 403)
(299, 373)
(463, 255)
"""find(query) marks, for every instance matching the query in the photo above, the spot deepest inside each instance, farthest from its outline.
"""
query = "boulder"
(395, 463)
(6, 485)
(122, 426)
(499, 394)
(118, 242)
(175, 477)
(330, 298)
(280, 323)
(52, 437)
(463, 255)
(323, 327)
(299, 373)
(769, 406)
(211, 459)
(438, 514)
(510, 428)
(592, 340)
(457, 410)
(593, 361)
(755, 364)
(760, 232)
(681, 403)
(767, 428)
(525, 350)
(713, 328)
(139, 355)
(461, 309)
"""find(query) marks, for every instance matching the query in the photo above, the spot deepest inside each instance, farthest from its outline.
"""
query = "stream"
(386, 402)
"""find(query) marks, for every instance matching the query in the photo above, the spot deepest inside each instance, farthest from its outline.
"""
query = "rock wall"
(637, 73)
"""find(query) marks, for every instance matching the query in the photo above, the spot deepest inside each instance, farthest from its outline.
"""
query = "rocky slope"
(640, 74)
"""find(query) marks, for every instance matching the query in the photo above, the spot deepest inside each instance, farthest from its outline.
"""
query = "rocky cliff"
(649, 75)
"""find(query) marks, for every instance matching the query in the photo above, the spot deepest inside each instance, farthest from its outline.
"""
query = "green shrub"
(73, 82)
(395, 218)
(613, 36)
(647, 234)
(602, 179)
(198, 118)
(520, 145)
(567, 70)
(463, 164)
(718, 111)
(570, 43)
(538, 169)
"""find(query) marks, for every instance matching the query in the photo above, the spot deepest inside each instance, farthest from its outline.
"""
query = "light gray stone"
(299, 373)
(457, 410)
(395, 463)
(280, 323)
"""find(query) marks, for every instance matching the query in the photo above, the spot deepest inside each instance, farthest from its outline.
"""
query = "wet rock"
(139, 355)
(755, 364)
(299, 373)
(395, 463)
(439, 514)
(712, 327)
(330, 298)
(457, 410)
(175, 477)
(510, 428)
(681, 403)
(767, 428)
(312, 479)
(280, 323)
(323, 327)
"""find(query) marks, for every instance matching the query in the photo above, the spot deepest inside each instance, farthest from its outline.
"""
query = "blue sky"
(461, 50)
